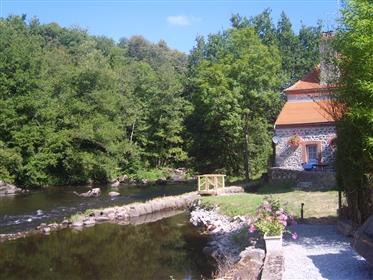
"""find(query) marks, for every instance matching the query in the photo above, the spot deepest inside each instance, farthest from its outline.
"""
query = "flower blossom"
(282, 217)
(252, 228)
(294, 235)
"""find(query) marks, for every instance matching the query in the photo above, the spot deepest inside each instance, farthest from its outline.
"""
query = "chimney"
(328, 70)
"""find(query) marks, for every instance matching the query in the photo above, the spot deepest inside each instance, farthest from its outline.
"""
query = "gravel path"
(321, 253)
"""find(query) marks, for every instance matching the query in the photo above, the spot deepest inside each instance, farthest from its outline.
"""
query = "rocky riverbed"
(238, 254)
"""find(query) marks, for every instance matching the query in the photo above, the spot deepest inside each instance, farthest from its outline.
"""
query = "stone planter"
(273, 243)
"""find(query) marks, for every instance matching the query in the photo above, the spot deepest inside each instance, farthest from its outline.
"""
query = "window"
(311, 151)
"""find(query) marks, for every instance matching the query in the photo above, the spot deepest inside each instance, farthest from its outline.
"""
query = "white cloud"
(180, 20)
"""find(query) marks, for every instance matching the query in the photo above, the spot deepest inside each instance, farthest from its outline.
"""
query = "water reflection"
(170, 247)
(26, 211)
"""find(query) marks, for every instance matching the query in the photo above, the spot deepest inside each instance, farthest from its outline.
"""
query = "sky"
(177, 22)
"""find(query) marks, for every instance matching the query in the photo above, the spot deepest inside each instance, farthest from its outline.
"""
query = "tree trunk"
(246, 155)
(132, 131)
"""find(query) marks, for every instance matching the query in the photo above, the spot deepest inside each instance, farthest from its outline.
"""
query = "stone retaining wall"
(304, 179)
(273, 267)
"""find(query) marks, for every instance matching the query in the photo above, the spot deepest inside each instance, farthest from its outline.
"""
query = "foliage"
(76, 107)
(235, 102)
(271, 218)
(354, 43)
(235, 80)
(299, 52)
(151, 174)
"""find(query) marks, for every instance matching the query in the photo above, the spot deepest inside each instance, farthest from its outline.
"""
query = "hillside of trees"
(76, 107)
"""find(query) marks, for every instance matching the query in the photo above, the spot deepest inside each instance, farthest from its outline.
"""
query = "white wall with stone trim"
(290, 157)
(307, 97)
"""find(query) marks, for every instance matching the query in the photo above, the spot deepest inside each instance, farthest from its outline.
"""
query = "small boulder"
(122, 178)
(113, 194)
(89, 222)
(161, 182)
(8, 189)
(143, 181)
(77, 224)
(115, 184)
(102, 219)
(91, 193)
(46, 230)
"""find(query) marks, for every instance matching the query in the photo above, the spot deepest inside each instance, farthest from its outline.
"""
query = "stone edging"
(273, 267)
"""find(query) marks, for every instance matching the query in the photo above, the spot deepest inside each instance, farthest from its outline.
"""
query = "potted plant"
(272, 221)
(295, 140)
(333, 142)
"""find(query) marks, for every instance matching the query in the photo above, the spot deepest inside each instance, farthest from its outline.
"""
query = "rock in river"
(113, 194)
(91, 193)
(8, 189)
(115, 184)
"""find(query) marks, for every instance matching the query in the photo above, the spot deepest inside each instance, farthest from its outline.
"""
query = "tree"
(354, 43)
(299, 52)
(233, 88)
(75, 107)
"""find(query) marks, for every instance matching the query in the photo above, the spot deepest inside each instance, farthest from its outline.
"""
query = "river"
(170, 248)
(52, 204)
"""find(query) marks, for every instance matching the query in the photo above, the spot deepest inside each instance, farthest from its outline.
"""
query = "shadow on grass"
(274, 188)
(281, 187)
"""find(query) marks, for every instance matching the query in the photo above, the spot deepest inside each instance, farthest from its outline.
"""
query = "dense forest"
(354, 43)
(76, 107)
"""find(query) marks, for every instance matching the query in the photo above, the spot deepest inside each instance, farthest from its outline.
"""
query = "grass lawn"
(317, 204)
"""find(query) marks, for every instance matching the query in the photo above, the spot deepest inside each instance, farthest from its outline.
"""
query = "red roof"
(309, 82)
(306, 112)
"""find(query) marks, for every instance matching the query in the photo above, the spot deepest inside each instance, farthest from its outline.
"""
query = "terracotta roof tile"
(308, 112)
(310, 81)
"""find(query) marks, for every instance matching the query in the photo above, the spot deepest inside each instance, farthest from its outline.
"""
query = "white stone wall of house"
(307, 97)
(290, 157)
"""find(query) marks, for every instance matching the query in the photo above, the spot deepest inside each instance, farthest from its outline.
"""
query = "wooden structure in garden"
(211, 184)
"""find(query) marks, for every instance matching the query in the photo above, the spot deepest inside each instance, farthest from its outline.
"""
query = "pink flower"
(284, 223)
(294, 235)
(280, 211)
(282, 217)
(252, 228)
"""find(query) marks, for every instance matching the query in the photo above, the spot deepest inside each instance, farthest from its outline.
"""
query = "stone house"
(304, 131)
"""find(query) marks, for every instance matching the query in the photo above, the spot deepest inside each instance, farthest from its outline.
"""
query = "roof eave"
(311, 124)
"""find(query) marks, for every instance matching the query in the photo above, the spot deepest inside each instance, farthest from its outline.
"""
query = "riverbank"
(237, 253)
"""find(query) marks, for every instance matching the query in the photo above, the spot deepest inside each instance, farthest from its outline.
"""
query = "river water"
(26, 211)
(168, 248)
